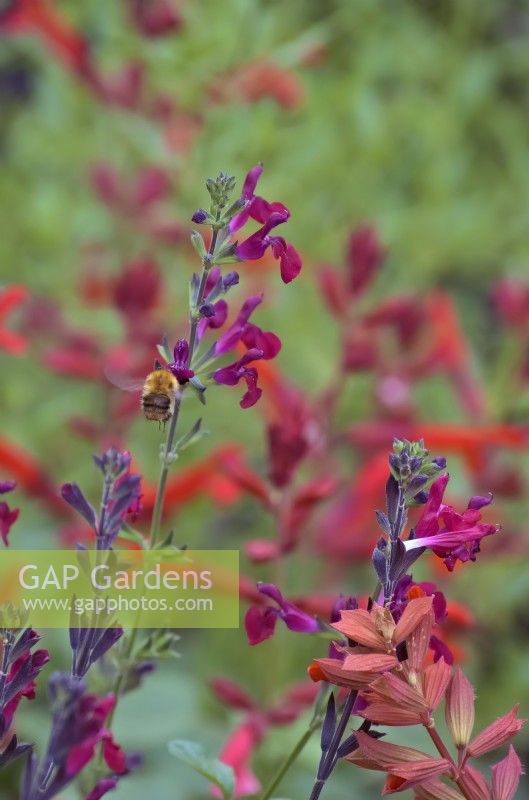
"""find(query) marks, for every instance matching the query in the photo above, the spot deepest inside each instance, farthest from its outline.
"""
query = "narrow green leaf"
(165, 350)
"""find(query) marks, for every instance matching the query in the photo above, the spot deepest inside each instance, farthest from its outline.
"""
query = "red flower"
(40, 17)
(11, 297)
(137, 289)
(155, 17)
(257, 80)
(237, 753)
(364, 257)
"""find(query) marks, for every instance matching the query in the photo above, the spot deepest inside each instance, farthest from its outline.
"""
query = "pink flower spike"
(459, 708)
(496, 734)
(506, 776)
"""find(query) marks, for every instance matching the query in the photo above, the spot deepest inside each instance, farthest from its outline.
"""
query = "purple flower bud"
(478, 501)
(421, 497)
(7, 486)
(113, 462)
(415, 463)
(229, 280)
(439, 461)
(199, 217)
(72, 494)
(394, 462)
(417, 482)
(207, 310)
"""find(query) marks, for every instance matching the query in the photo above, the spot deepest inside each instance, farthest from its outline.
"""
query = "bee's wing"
(123, 381)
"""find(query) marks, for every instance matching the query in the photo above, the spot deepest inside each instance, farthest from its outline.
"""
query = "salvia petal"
(496, 734)
(459, 708)
(413, 614)
(506, 776)
(436, 790)
(435, 682)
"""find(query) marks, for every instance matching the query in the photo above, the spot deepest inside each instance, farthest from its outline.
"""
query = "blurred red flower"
(42, 18)
(10, 298)
(257, 80)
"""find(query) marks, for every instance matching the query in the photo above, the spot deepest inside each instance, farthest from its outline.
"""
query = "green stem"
(164, 472)
(290, 759)
(166, 458)
(168, 446)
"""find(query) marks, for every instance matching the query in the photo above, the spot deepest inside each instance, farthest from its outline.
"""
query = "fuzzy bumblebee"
(158, 395)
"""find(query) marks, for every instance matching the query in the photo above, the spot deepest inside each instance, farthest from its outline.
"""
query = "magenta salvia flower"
(269, 215)
(17, 680)
(78, 727)
(179, 367)
(260, 622)
(256, 245)
(239, 370)
(102, 788)
(248, 195)
(8, 516)
(251, 335)
(448, 533)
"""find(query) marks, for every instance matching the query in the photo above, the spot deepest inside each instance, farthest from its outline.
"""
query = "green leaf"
(211, 768)
(132, 535)
(199, 388)
(192, 436)
(198, 243)
(165, 350)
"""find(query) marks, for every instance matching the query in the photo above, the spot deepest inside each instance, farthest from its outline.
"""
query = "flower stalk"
(167, 452)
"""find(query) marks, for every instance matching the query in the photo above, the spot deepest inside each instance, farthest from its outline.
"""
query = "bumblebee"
(158, 395)
(157, 391)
